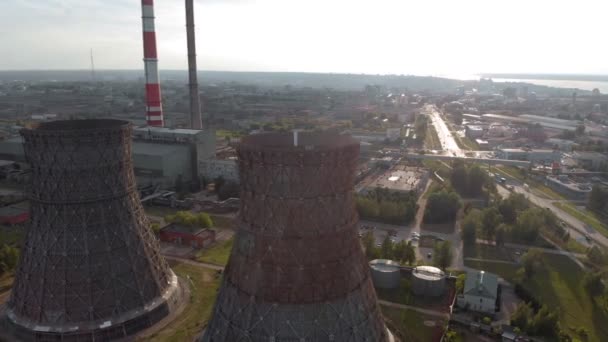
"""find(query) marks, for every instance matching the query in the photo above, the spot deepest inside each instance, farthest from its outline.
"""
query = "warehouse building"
(194, 237)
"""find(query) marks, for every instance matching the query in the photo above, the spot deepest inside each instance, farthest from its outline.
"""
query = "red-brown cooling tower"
(297, 271)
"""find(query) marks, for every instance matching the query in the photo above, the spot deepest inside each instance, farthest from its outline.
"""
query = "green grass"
(409, 325)
(218, 254)
(431, 140)
(584, 215)
(222, 221)
(558, 285)
(480, 251)
(204, 285)
(222, 133)
(160, 211)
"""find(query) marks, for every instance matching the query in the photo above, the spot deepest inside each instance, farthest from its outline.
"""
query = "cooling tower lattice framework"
(297, 271)
(90, 268)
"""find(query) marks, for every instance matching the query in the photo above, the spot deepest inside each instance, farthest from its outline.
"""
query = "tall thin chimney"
(154, 108)
(195, 106)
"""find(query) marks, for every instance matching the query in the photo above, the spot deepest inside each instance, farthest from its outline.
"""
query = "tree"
(386, 249)
(501, 234)
(491, 220)
(528, 225)
(459, 178)
(531, 262)
(597, 256)
(369, 244)
(442, 254)
(469, 227)
(522, 317)
(460, 280)
(510, 206)
(476, 180)
(598, 199)
(442, 207)
(410, 253)
(593, 283)
(8, 258)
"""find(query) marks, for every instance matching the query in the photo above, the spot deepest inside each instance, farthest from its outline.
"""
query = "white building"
(480, 292)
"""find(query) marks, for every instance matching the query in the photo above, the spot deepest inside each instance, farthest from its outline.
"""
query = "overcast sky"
(425, 37)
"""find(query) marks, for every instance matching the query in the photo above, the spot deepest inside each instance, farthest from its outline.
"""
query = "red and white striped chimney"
(154, 108)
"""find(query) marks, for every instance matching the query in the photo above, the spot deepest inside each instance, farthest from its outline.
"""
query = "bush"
(442, 207)
(187, 218)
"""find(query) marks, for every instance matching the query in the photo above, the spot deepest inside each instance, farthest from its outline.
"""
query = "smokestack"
(154, 108)
(195, 106)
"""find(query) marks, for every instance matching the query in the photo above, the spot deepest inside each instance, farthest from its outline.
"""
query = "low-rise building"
(534, 156)
(590, 160)
(473, 132)
(480, 292)
(14, 214)
(194, 237)
(568, 187)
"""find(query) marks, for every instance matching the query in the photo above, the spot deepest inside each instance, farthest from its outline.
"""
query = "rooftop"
(184, 229)
(400, 179)
(428, 272)
(384, 265)
(482, 284)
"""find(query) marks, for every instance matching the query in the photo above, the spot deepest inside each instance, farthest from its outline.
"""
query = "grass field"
(558, 285)
(218, 254)
(584, 215)
(409, 325)
(480, 251)
(431, 140)
(197, 313)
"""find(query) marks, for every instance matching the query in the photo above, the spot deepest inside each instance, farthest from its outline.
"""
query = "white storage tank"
(386, 274)
(428, 281)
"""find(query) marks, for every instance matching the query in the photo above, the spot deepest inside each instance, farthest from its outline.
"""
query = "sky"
(421, 37)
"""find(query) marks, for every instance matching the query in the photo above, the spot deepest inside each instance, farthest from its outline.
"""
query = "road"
(448, 143)
(576, 228)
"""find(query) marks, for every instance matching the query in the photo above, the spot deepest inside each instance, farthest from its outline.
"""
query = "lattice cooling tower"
(297, 271)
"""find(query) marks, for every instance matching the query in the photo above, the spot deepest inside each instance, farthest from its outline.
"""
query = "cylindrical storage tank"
(385, 273)
(428, 281)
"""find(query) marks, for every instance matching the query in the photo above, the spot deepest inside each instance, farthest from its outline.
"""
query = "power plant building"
(90, 268)
(297, 271)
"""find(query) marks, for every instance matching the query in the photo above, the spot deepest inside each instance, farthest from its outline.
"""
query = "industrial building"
(534, 156)
(161, 156)
(386, 274)
(569, 187)
(547, 122)
(480, 292)
(428, 281)
(297, 271)
(106, 280)
(194, 237)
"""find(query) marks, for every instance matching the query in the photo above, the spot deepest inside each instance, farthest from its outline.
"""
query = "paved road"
(577, 229)
(448, 143)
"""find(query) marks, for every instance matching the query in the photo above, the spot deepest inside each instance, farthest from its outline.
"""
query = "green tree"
(476, 180)
(442, 254)
(442, 207)
(593, 283)
(386, 249)
(490, 222)
(369, 244)
(531, 261)
(460, 280)
(528, 225)
(522, 317)
(501, 234)
(470, 225)
(598, 199)
(511, 206)
(459, 178)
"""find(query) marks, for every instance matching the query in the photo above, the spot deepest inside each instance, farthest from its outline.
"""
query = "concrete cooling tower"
(90, 268)
(297, 271)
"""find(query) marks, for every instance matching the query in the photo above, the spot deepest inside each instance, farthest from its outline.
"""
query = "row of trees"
(8, 258)
(442, 254)
(187, 218)
(401, 251)
(543, 322)
(470, 181)
(442, 206)
(386, 206)
(511, 218)
(598, 199)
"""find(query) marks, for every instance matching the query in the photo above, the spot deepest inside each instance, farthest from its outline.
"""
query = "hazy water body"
(583, 85)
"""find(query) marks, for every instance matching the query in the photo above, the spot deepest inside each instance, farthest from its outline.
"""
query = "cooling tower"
(90, 268)
(297, 271)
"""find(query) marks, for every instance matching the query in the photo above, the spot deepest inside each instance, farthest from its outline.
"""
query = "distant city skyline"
(437, 37)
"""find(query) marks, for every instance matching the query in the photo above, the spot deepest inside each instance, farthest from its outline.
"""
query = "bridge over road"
(491, 161)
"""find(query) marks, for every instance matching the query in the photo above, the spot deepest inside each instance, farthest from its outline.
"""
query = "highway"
(448, 143)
